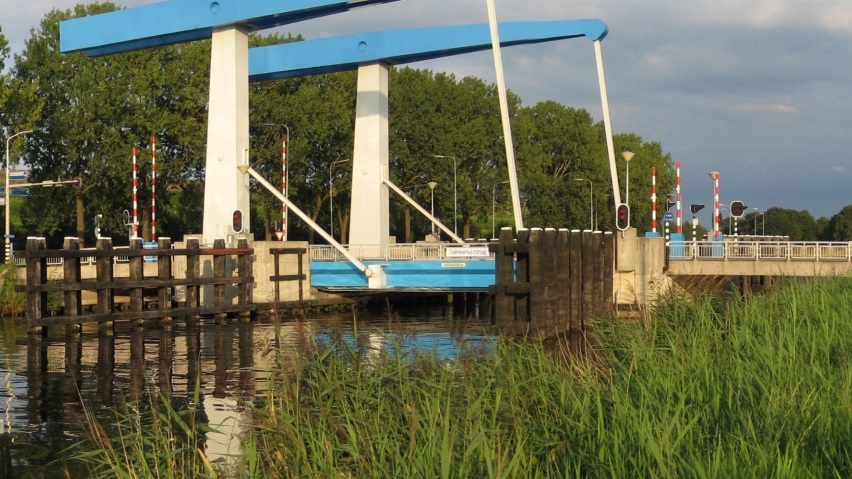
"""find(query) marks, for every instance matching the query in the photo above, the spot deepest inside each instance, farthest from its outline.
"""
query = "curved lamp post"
(8, 195)
(432, 186)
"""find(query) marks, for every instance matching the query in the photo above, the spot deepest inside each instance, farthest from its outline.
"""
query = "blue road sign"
(15, 191)
(17, 175)
(668, 217)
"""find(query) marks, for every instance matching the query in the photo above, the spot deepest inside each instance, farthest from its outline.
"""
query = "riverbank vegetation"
(708, 388)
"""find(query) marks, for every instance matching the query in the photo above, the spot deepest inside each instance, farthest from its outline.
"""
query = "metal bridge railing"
(760, 251)
(404, 252)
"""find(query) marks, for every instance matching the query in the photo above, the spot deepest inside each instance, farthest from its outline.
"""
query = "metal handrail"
(760, 251)
(405, 252)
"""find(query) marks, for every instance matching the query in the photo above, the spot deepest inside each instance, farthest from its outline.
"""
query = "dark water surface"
(42, 380)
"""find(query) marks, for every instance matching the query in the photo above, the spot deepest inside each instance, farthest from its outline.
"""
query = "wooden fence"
(549, 281)
(149, 297)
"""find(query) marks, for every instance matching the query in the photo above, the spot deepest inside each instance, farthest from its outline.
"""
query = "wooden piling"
(548, 281)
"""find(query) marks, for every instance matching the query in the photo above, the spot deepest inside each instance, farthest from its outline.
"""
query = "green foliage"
(839, 227)
(10, 300)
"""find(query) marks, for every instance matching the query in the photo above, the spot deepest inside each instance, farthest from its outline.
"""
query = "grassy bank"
(711, 389)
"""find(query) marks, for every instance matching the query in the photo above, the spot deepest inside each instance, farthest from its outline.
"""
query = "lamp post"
(455, 193)
(331, 197)
(591, 202)
(756, 212)
(432, 186)
(627, 155)
(494, 206)
(8, 195)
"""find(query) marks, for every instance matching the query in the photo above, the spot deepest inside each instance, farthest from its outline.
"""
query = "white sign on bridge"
(467, 252)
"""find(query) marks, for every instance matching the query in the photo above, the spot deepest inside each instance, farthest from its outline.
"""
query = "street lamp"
(756, 212)
(331, 197)
(591, 202)
(8, 196)
(432, 186)
(455, 194)
(627, 155)
(494, 206)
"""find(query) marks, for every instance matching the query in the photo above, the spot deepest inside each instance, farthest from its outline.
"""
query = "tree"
(839, 227)
(797, 225)
(99, 109)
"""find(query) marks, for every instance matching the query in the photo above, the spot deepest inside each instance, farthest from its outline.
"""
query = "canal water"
(45, 382)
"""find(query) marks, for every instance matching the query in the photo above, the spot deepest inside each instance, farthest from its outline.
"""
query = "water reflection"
(227, 364)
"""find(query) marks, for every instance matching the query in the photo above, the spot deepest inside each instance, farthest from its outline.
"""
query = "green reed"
(708, 388)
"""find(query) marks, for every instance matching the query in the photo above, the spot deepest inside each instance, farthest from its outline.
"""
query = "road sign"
(668, 217)
(17, 175)
(15, 191)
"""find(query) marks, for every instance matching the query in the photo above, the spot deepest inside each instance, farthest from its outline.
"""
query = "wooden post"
(103, 266)
(137, 274)
(504, 259)
(244, 271)
(575, 273)
(219, 273)
(71, 275)
(562, 279)
(538, 270)
(36, 276)
(608, 272)
(193, 272)
(522, 298)
(596, 260)
(588, 276)
(164, 274)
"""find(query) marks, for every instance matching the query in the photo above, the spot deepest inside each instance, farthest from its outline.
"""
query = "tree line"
(87, 114)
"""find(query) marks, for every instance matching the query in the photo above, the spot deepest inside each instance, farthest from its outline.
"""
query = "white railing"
(759, 251)
(404, 252)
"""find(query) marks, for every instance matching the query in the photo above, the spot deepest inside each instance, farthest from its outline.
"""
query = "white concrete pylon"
(227, 134)
(370, 224)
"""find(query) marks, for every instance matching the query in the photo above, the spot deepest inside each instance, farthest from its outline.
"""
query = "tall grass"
(710, 389)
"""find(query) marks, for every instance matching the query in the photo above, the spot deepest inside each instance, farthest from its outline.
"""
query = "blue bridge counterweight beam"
(177, 21)
(395, 47)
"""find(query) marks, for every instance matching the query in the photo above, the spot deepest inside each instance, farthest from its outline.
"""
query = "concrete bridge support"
(370, 205)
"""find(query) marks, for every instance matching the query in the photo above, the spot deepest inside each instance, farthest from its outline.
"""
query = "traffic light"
(237, 223)
(737, 208)
(622, 217)
(669, 204)
(696, 208)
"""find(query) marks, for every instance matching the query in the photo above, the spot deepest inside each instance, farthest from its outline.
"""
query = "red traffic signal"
(237, 223)
(622, 217)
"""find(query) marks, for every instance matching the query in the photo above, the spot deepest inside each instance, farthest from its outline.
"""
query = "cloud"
(840, 170)
(768, 107)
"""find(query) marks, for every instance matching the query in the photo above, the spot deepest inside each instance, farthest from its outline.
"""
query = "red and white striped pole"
(715, 176)
(153, 188)
(654, 199)
(284, 140)
(135, 224)
(678, 211)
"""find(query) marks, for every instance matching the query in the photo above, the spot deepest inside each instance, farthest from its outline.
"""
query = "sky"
(758, 90)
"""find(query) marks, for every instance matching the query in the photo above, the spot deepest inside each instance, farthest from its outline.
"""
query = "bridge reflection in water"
(231, 364)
